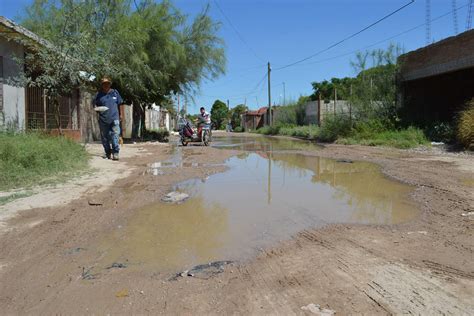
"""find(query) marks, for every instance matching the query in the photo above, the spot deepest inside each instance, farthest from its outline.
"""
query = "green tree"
(219, 113)
(151, 53)
(235, 114)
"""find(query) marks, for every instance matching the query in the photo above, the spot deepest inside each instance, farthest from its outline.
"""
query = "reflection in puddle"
(264, 197)
(262, 143)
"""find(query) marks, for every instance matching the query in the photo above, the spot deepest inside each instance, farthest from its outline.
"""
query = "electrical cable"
(237, 32)
(347, 38)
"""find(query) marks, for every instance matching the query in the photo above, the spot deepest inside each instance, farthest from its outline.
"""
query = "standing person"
(107, 102)
(204, 118)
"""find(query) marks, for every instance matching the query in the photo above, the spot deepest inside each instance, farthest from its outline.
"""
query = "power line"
(257, 86)
(349, 37)
(237, 32)
(385, 39)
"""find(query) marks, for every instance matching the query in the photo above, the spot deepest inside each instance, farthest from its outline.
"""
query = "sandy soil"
(422, 267)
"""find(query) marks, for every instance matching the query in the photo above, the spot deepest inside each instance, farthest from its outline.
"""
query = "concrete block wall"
(13, 109)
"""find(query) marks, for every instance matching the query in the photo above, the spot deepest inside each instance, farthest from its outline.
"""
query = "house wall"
(13, 113)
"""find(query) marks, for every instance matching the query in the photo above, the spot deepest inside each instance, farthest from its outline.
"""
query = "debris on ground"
(95, 203)
(175, 197)
(317, 310)
(117, 265)
(122, 293)
(467, 214)
(203, 271)
(422, 232)
(74, 250)
(344, 161)
(87, 275)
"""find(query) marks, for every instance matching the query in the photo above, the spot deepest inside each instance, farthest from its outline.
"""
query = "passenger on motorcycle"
(204, 118)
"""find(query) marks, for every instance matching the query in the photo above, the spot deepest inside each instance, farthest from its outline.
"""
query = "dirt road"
(52, 258)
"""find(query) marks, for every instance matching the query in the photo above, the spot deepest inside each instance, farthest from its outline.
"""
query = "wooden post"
(335, 100)
(45, 117)
(319, 109)
(350, 109)
(270, 118)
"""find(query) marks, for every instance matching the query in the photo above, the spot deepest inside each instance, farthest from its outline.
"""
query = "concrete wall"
(13, 113)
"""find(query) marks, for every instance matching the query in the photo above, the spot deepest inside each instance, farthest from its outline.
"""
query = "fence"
(41, 114)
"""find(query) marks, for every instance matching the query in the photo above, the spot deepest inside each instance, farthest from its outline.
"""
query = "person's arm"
(119, 103)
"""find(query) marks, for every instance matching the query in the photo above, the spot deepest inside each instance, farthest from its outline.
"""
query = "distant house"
(27, 108)
(252, 120)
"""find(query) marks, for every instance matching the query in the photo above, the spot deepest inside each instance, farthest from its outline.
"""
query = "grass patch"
(405, 138)
(14, 196)
(28, 159)
(308, 132)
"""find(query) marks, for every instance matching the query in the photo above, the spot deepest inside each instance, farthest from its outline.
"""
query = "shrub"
(465, 127)
(333, 127)
(269, 130)
(405, 138)
(308, 131)
(441, 132)
(238, 129)
(160, 135)
(31, 158)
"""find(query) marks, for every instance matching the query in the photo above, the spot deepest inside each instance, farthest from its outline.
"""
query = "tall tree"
(151, 53)
(219, 113)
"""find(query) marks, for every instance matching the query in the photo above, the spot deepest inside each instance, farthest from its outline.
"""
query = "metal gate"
(40, 112)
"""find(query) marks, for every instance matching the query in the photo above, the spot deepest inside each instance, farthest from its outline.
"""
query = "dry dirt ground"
(425, 266)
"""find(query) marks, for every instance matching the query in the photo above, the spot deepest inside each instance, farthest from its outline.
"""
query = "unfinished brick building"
(437, 80)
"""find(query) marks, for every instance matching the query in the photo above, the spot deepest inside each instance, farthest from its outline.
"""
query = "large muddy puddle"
(265, 196)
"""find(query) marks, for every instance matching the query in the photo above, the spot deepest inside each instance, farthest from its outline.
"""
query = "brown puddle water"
(264, 197)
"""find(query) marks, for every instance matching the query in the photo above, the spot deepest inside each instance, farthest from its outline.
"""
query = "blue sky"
(283, 31)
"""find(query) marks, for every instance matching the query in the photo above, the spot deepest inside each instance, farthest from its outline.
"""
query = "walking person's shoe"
(106, 156)
(115, 156)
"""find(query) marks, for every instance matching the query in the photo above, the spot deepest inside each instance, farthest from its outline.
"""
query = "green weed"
(28, 159)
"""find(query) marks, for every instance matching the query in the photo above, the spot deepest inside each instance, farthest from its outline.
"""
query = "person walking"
(106, 103)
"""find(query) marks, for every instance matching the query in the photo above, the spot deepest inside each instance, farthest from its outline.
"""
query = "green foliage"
(161, 135)
(285, 115)
(307, 132)
(441, 132)
(239, 129)
(29, 159)
(465, 127)
(219, 113)
(333, 127)
(374, 89)
(151, 53)
(326, 89)
(235, 114)
(269, 130)
(405, 138)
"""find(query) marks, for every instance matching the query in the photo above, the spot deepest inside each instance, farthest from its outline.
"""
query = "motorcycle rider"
(204, 118)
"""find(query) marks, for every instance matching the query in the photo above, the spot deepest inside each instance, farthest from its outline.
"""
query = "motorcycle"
(189, 135)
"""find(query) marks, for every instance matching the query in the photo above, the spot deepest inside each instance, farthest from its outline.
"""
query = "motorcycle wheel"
(205, 137)
(184, 143)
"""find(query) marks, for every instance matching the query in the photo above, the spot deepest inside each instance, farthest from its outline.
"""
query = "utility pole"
(284, 94)
(269, 97)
